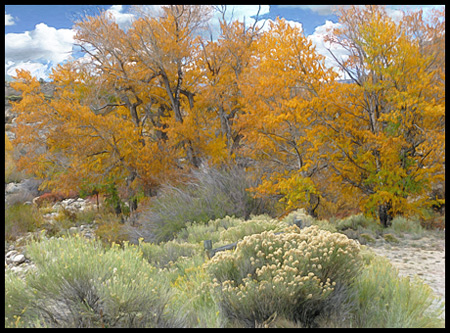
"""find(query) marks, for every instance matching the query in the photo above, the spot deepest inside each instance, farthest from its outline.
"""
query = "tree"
(280, 93)
(386, 129)
(117, 115)
(223, 62)
(165, 48)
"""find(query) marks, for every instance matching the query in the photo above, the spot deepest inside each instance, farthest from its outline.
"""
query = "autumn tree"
(110, 117)
(281, 92)
(150, 103)
(386, 128)
(223, 62)
(165, 48)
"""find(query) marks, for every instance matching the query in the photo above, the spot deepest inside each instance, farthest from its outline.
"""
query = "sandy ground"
(424, 257)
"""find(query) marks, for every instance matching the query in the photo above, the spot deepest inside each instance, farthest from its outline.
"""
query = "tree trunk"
(314, 201)
(384, 215)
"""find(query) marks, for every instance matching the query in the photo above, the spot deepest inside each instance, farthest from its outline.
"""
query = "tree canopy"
(148, 104)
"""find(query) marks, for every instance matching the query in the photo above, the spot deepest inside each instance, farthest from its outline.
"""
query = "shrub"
(193, 297)
(294, 274)
(80, 284)
(402, 225)
(355, 222)
(20, 219)
(390, 238)
(17, 302)
(65, 219)
(255, 225)
(110, 229)
(366, 238)
(198, 232)
(161, 255)
(385, 300)
(211, 194)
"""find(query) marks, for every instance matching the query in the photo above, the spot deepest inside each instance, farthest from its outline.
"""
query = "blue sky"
(37, 37)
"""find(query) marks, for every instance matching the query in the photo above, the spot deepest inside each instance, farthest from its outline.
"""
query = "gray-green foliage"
(211, 194)
(385, 300)
(78, 283)
(82, 283)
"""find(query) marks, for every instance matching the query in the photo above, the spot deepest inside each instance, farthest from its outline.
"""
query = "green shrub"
(161, 255)
(17, 302)
(390, 238)
(198, 232)
(80, 284)
(255, 225)
(354, 222)
(401, 225)
(385, 300)
(293, 274)
(366, 238)
(20, 219)
(110, 229)
(192, 296)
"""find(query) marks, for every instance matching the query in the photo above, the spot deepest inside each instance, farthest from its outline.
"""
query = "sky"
(38, 37)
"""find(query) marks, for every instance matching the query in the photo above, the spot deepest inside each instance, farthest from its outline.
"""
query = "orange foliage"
(159, 99)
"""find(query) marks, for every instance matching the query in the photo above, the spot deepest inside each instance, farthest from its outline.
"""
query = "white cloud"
(36, 69)
(122, 19)
(44, 42)
(318, 39)
(152, 10)
(319, 9)
(394, 14)
(38, 49)
(9, 20)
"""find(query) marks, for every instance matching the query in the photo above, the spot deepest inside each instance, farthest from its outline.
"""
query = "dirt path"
(424, 257)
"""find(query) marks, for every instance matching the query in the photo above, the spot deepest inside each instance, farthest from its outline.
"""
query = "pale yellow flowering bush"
(292, 274)
(256, 224)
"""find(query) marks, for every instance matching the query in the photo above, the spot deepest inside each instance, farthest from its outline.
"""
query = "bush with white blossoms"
(291, 274)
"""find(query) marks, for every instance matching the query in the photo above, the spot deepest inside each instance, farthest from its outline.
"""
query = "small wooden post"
(207, 244)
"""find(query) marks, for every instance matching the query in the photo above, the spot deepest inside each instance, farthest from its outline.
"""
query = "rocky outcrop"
(22, 192)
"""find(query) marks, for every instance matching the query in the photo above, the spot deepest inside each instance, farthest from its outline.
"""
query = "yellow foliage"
(164, 99)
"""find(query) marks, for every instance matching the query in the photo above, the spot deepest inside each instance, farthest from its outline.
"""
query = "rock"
(12, 188)
(14, 258)
(18, 259)
(21, 192)
(10, 254)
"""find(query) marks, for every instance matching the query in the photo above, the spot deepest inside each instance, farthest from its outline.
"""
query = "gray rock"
(10, 254)
(12, 188)
(18, 259)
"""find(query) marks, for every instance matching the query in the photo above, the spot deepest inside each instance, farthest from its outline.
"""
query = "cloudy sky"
(37, 37)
